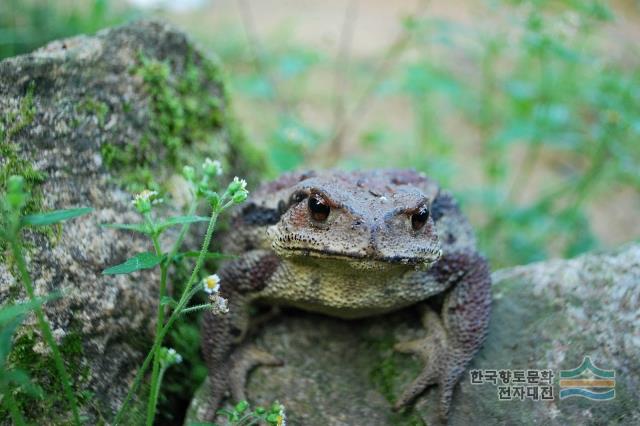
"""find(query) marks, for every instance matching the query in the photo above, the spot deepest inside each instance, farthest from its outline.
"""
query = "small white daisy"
(211, 284)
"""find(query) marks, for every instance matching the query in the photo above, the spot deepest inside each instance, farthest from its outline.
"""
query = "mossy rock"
(547, 315)
(87, 120)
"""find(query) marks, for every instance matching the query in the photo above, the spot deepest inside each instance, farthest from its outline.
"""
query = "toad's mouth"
(364, 259)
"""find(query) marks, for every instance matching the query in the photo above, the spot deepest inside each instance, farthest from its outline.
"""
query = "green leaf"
(135, 227)
(241, 407)
(136, 263)
(10, 312)
(40, 219)
(181, 220)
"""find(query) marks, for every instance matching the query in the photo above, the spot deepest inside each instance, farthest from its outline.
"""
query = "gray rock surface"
(546, 315)
(94, 114)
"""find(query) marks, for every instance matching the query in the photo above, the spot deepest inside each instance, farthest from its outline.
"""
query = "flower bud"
(237, 190)
(213, 198)
(212, 168)
(144, 200)
(240, 196)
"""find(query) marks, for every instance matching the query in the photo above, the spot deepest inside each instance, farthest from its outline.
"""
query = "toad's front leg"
(454, 337)
(227, 360)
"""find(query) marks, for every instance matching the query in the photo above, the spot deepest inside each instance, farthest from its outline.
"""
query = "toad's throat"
(346, 292)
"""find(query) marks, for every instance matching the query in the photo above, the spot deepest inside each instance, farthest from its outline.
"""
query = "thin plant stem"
(155, 392)
(184, 299)
(203, 251)
(45, 328)
(155, 375)
(196, 308)
(145, 364)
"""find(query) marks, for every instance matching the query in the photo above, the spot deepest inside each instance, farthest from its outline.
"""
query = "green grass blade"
(49, 218)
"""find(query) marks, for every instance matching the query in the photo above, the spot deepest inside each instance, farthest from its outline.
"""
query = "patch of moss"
(186, 123)
(388, 376)
(52, 405)
(11, 163)
(97, 108)
(11, 124)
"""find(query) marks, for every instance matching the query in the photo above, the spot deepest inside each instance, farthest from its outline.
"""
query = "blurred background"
(529, 111)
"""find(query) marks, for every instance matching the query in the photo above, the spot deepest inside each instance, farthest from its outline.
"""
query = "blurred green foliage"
(527, 122)
(28, 24)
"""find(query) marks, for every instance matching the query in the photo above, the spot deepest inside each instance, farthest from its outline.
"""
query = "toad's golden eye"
(419, 218)
(318, 208)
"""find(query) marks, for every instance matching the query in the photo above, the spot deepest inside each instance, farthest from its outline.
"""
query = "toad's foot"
(454, 337)
(444, 364)
(430, 350)
(247, 358)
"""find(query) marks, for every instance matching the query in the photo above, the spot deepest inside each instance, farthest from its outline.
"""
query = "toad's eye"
(419, 218)
(318, 208)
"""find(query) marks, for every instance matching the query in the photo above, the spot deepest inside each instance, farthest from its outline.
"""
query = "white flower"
(174, 356)
(145, 199)
(238, 190)
(169, 356)
(238, 184)
(211, 284)
(145, 195)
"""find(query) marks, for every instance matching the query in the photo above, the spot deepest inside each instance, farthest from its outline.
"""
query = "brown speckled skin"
(364, 259)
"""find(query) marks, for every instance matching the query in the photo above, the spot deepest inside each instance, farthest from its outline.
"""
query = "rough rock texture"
(91, 114)
(545, 316)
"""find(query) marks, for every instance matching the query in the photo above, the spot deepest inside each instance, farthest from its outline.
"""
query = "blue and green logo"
(588, 381)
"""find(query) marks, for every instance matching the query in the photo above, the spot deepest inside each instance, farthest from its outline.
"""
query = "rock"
(82, 119)
(547, 315)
